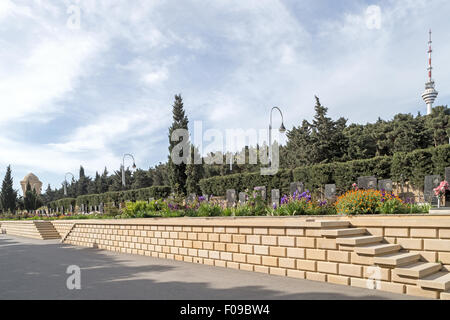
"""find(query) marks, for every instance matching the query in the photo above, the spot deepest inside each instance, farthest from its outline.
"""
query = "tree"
(361, 144)
(328, 140)
(298, 148)
(142, 179)
(177, 172)
(194, 172)
(82, 183)
(31, 199)
(8, 196)
(439, 125)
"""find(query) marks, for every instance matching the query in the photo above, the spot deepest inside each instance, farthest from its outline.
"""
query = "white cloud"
(231, 60)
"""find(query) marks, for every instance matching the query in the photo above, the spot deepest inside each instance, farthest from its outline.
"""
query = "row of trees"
(9, 200)
(323, 140)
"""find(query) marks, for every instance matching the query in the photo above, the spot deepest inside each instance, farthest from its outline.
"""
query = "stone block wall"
(292, 247)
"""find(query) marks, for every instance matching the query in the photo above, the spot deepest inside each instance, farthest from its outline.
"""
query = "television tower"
(430, 93)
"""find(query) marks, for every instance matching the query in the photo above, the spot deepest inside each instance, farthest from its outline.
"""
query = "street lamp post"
(123, 166)
(281, 130)
(65, 182)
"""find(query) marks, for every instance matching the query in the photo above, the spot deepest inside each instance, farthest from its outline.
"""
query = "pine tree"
(177, 172)
(82, 183)
(194, 172)
(328, 140)
(142, 179)
(439, 125)
(8, 196)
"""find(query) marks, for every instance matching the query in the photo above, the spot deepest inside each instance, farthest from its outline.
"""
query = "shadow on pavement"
(35, 269)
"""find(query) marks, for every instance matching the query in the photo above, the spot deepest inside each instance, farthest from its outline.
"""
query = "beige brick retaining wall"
(284, 246)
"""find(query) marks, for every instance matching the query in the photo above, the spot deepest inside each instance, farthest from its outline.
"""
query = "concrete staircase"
(43, 230)
(406, 267)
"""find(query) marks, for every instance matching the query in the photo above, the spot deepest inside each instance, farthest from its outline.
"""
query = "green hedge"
(144, 194)
(66, 203)
(413, 167)
(219, 184)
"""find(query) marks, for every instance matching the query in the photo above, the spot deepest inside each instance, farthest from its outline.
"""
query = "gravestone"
(275, 197)
(296, 186)
(191, 197)
(101, 207)
(231, 197)
(447, 174)
(447, 193)
(367, 182)
(242, 197)
(71, 208)
(431, 182)
(330, 191)
(262, 191)
(385, 185)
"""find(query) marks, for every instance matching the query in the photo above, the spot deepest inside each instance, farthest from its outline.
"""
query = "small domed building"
(34, 183)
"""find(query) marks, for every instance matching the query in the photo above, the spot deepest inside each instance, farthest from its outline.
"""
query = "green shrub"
(412, 166)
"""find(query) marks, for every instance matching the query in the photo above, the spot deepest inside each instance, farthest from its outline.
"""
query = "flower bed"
(374, 201)
(352, 202)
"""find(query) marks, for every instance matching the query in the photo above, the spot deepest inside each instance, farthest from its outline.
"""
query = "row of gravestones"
(330, 190)
(431, 182)
(83, 209)
(366, 182)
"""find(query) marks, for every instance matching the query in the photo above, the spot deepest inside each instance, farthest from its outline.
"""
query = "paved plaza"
(36, 269)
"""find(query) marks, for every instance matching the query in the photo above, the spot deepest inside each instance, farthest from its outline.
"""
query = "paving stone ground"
(36, 269)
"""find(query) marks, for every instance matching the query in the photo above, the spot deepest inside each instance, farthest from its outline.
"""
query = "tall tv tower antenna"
(430, 93)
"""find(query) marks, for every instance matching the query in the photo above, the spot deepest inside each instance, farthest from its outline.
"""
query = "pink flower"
(440, 190)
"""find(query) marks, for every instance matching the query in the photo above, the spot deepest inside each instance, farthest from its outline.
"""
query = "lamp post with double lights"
(282, 129)
(123, 166)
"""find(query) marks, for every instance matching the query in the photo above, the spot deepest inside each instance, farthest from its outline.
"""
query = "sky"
(82, 82)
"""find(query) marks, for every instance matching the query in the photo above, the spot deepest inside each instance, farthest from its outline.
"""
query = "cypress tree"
(8, 196)
(31, 199)
(194, 172)
(177, 172)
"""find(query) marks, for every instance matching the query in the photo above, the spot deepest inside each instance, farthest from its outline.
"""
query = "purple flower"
(201, 199)
(274, 206)
(322, 203)
(284, 199)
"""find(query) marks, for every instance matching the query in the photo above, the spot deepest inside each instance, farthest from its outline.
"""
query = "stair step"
(418, 269)
(376, 249)
(358, 240)
(343, 232)
(397, 259)
(439, 281)
(331, 224)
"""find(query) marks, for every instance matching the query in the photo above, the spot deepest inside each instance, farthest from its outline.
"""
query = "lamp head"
(134, 166)
(282, 128)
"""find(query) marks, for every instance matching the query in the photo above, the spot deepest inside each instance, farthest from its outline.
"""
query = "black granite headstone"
(261, 190)
(296, 186)
(367, 182)
(385, 185)
(231, 197)
(431, 182)
(275, 196)
(242, 197)
(330, 191)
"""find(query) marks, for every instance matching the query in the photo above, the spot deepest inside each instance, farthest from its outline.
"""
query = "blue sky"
(87, 95)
